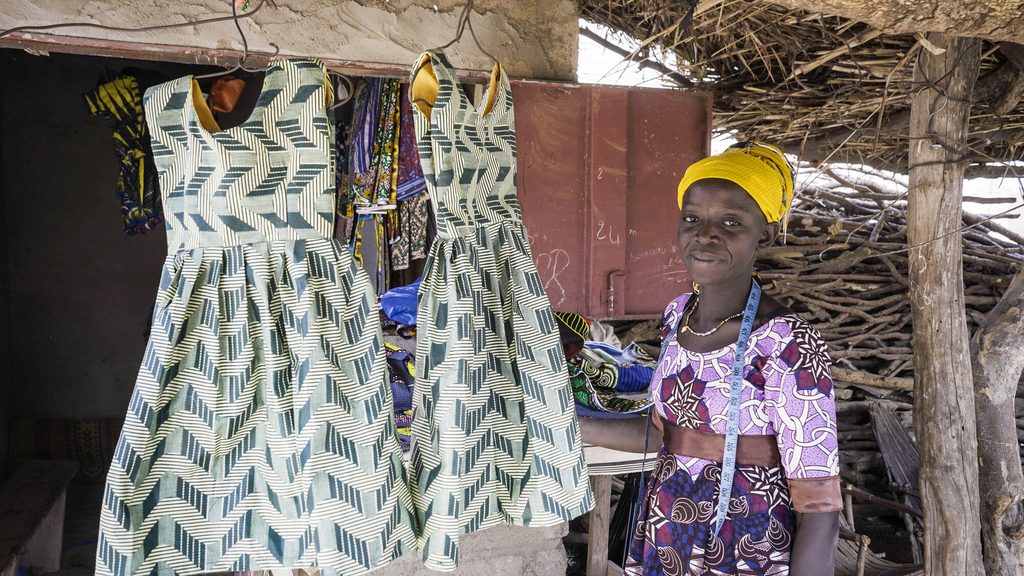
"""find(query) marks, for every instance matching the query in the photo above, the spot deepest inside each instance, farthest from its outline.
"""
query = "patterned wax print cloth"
(411, 244)
(119, 101)
(366, 121)
(260, 433)
(787, 393)
(495, 439)
(411, 182)
(605, 378)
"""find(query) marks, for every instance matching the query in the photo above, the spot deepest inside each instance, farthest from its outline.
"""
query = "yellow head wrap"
(760, 169)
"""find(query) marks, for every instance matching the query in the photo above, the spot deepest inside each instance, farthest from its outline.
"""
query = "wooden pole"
(600, 521)
(997, 352)
(944, 415)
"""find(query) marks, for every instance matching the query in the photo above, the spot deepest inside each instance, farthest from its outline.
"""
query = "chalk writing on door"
(551, 265)
(604, 232)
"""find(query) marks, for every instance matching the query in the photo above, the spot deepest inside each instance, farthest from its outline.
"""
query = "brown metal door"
(598, 168)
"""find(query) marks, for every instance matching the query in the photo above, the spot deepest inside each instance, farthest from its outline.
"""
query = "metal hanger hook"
(465, 21)
(236, 18)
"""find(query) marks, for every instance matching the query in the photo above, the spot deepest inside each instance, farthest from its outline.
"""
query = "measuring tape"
(732, 430)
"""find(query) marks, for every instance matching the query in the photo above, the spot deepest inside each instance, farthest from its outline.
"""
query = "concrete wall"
(81, 292)
(501, 550)
(534, 38)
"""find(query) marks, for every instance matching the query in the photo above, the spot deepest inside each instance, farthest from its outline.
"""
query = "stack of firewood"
(844, 267)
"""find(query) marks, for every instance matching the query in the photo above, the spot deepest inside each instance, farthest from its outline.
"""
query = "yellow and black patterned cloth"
(119, 102)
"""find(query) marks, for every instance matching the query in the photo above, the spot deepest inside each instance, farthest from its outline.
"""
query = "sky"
(598, 65)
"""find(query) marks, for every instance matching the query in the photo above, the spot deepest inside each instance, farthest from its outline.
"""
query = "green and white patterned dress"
(260, 433)
(495, 438)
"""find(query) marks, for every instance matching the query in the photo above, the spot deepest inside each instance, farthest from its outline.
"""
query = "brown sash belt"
(808, 495)
(750, 450)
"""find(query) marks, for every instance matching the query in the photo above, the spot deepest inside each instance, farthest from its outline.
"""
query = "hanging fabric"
(344, 212)
(261, 430)
(411, 182)
(119, 102)
(495, 439)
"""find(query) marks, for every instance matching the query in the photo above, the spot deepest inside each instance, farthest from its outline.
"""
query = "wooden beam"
(944, 415)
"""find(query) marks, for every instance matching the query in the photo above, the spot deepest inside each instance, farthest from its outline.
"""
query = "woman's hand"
(814, 544)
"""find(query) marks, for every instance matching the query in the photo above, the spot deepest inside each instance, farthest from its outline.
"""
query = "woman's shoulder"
(794, 326)
(801, 347)
(675, 308)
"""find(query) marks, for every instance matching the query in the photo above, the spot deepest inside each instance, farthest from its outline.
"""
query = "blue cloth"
(635, 367)
(634, 378)
(399, 304)
(399, 362)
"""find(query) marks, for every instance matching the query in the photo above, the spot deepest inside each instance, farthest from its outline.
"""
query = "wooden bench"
(32, 509)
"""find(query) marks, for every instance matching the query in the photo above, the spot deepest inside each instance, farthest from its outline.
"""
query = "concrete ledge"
(498, 550)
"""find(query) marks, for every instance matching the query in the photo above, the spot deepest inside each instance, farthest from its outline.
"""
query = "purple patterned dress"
(787, 393)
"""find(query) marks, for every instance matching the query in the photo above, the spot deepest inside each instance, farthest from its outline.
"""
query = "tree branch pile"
(844, 268)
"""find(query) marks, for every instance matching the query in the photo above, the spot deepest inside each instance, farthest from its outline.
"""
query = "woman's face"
(720, 229)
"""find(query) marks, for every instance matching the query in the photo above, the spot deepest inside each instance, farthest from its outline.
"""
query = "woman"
(780, 467)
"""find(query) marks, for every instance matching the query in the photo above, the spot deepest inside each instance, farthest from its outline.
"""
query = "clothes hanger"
(466, 22)
(245, 49)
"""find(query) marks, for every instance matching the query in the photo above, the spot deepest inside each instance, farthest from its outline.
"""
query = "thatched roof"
(822, 86)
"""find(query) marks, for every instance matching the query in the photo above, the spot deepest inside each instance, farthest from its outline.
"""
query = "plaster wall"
(81, 292)
(533, 38)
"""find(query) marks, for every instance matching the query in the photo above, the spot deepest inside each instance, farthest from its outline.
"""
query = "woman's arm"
(814, 544)
(625, 435)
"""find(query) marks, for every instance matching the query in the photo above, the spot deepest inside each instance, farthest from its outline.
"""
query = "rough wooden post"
(944, 416)
(600, 520)
(997, 352)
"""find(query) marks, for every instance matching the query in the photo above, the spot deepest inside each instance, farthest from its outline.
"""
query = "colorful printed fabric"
(119, 102)
(675, 536)
(574, 323)
(787, 393)
(495, 438)
(413, 215)
(402, 370)
(363, 185)
(385, 149)
(374, 167)
(410, 173)
(260, 433)
(595, 379)
(375, 145)
(344, 212)
(573, 331)
(635, 367)
(403, 422)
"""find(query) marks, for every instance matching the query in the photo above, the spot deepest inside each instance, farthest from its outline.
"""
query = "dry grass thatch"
(821, 86)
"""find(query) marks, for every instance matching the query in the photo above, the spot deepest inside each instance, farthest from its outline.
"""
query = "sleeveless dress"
(787, 393)
(260, 432)
(495, 438)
